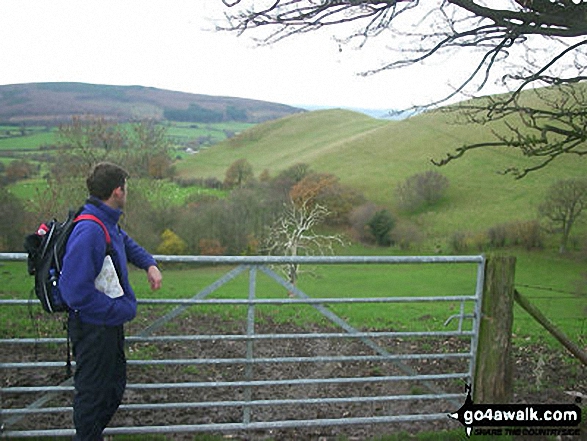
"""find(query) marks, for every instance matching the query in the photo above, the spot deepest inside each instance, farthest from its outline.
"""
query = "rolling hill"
(51, 103)
(373, 156)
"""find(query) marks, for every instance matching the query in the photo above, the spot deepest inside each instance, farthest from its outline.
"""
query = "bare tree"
(148, 150)
(293, 234)
(142, 146)
(86, 141)
(563, 206)
(529, 43)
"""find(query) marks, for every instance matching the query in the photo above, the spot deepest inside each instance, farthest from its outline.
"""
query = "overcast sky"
(169, 44)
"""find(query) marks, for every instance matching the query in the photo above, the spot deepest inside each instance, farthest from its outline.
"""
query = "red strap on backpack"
(98, 221)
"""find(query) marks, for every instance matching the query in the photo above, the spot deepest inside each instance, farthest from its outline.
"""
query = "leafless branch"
(293, 234)
(419, 31)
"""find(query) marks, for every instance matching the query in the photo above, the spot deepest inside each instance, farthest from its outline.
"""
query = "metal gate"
(232, 377)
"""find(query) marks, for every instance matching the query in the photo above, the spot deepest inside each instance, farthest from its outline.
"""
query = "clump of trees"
(197, 113)
(17, 170)
(142, 147)
(260, 211)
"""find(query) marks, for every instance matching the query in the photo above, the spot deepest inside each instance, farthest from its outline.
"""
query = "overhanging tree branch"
(424, 30)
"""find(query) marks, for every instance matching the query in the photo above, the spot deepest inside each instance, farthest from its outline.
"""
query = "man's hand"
(154, 276)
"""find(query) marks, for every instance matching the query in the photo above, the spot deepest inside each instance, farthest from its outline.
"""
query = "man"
(96, 320)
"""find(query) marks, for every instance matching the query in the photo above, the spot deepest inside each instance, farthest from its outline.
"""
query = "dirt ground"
(541, 375)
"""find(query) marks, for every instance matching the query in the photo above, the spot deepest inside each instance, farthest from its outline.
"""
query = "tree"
(563, 206)
(19, 169)
(325, 189)
(310, 188)
(286, 179)
(381, 225)
(86, 141)
(528, 43)
(239, 172)
(293, 234)
(148, 148)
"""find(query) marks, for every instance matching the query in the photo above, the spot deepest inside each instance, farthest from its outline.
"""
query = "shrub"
(497, 236)
(171, 244)
(359, 221)
(459, 242)
(528, 234)
(406, 235)
(421, 190)
(211, 247)
(518, 233)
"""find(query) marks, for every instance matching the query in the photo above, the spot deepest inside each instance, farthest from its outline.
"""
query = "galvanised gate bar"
(396, 376)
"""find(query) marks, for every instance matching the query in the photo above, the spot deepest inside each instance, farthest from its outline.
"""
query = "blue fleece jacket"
(84, 256)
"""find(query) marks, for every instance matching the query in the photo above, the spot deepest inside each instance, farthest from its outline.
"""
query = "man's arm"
(141, 258)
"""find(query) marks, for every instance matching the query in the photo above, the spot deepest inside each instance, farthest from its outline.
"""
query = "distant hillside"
(49, 103)
(374, 156)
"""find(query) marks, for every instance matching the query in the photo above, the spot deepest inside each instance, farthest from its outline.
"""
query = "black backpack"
(45, 250)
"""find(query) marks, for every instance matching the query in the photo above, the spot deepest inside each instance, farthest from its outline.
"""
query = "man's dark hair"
(104, 178)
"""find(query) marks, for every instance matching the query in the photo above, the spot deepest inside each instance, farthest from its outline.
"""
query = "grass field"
(548, 281)
(34, 138)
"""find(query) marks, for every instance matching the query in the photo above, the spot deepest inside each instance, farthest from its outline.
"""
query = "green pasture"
(28, 189)
(32, 140)
(168, 193)
(188, 131)
(36, 137)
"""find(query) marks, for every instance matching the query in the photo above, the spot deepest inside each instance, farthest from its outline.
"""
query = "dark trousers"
(99, 378)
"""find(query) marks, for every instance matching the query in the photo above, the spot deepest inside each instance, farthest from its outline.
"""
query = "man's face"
(120, 196)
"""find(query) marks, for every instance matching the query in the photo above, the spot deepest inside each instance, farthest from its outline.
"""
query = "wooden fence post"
(493, 365)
